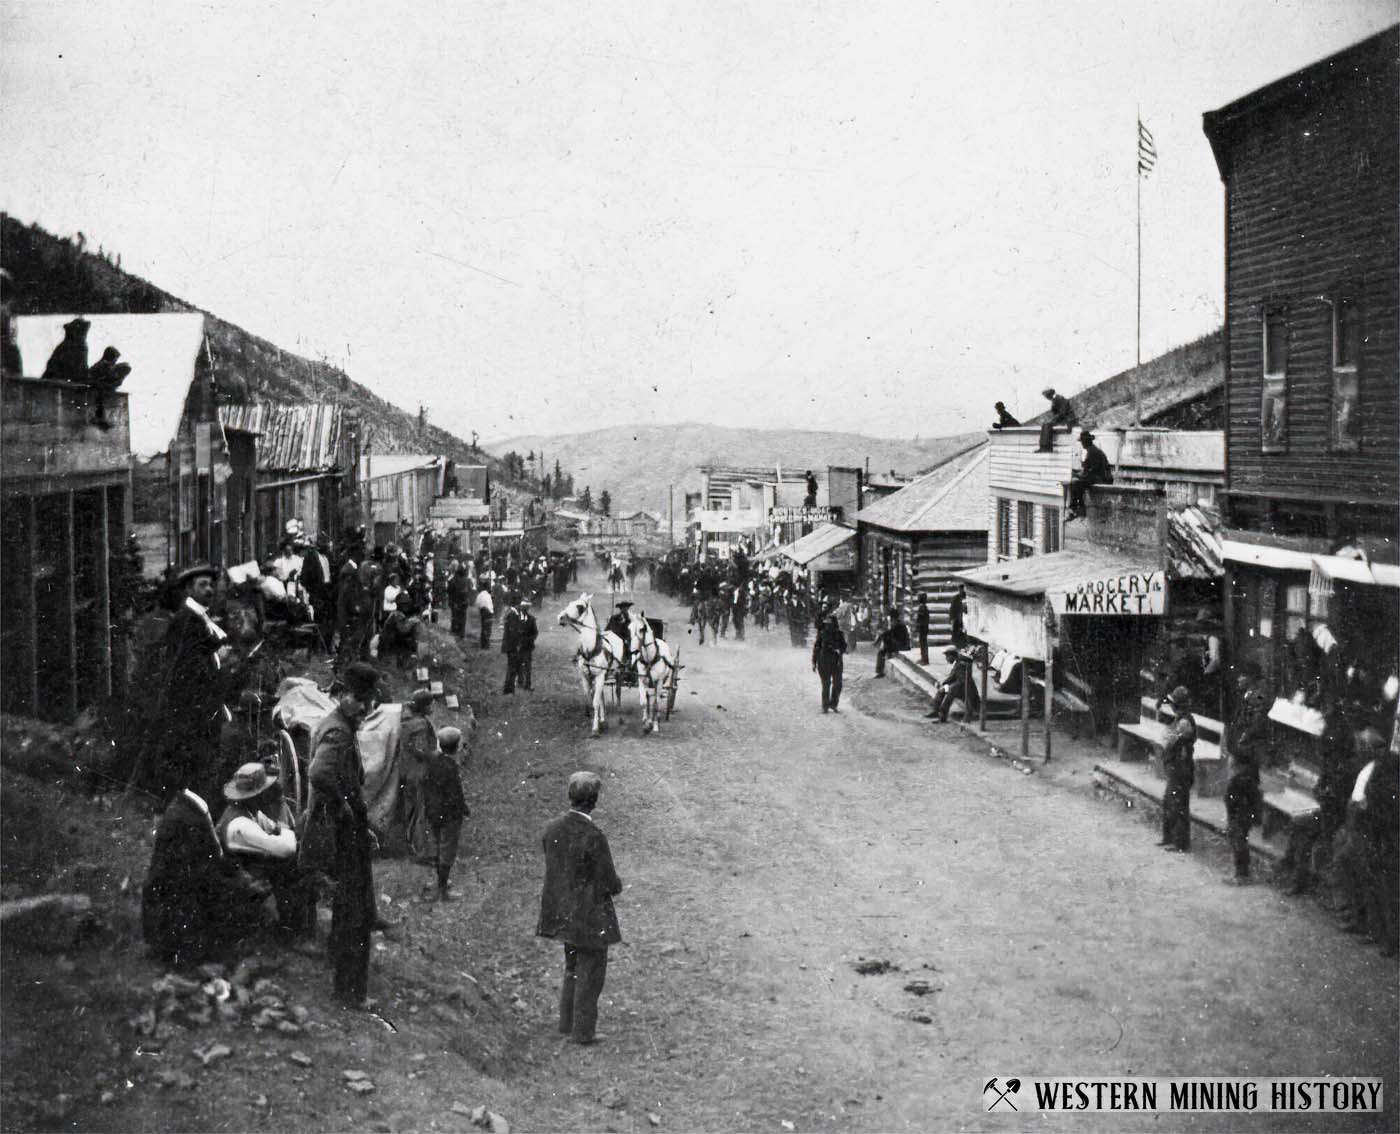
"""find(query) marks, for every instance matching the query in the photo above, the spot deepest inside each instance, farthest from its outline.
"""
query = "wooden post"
(104, 593)
(985, 652)
(1049, 691)
(31, 616)
(967, 693)
(69, 565)
(1025, 711)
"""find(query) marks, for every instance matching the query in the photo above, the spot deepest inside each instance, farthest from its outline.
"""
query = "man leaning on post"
(576, 906)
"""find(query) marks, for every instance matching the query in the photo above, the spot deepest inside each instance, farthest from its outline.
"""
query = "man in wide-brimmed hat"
(1093, 469)
(196, 653)
(258, 831)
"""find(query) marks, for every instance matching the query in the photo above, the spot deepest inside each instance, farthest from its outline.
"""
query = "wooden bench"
(1149, 735)
(1293, 801)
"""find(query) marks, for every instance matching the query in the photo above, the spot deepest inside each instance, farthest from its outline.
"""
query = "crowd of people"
(240, 851)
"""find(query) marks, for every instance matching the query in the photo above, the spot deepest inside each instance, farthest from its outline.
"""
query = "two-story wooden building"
(66, 480)
(1312, 179)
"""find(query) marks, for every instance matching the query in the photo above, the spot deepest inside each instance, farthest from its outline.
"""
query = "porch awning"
(1006, 601)
(1263, 555)
(1326, 569)
(818, 542)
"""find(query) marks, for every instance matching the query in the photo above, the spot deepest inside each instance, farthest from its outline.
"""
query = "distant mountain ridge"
(637, 463)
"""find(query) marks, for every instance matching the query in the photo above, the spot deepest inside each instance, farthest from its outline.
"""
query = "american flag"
(1147, 150)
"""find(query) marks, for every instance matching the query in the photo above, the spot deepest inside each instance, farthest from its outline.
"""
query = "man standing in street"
(486, 611)
(336, 808)
(417, 742)
(921, 625)
(510, 643)
(828, 660)
(1249, 734)
(529, 631)
(1179, 763)
(576, 906)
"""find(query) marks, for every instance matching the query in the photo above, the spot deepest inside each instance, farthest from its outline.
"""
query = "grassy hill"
(53, 275)
(637, 463)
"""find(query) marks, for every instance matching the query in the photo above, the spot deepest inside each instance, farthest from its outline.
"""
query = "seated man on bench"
(959, 684)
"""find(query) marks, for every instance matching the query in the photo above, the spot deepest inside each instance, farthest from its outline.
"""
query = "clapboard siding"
(1312, 182)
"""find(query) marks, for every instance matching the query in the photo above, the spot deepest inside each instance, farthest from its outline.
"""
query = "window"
(1025, 530)
(1003, 528)
(1346, 386)
(1273, 411)
(1050, 538)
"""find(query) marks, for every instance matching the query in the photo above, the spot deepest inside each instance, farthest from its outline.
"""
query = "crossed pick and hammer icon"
(1012, 1086)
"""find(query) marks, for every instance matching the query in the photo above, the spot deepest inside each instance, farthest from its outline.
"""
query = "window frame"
(1050, 537)
(1345, 374)
(1025, 530)
(1274, 381)
(1003, 532)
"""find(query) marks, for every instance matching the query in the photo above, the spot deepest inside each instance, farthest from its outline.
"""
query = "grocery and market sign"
(804, 515)
(1127, 592)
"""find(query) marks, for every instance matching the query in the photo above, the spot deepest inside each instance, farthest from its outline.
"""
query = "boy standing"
(445, 805)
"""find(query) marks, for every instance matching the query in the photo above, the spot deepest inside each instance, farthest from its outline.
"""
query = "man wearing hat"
(955, 687)
(621, 624)
(257, 831)
(894, 640)
(1249, 736)
(336, 809)
(445, 805)
(576, 905)
(196, 654)
(1093, 469)
(510, 642)
(417, 742)
(196, 902)
(529, 631)
(1061, 413)
(1179, 764)
(316, 582)
(828, 661)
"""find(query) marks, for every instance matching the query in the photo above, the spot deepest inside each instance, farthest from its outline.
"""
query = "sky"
(555, 215)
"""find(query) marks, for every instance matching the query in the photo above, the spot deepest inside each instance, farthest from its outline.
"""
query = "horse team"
(605, 657)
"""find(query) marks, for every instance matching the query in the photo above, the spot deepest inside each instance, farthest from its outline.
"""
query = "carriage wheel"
(289, 770)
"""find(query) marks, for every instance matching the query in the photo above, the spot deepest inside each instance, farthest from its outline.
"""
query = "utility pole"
(671, 497)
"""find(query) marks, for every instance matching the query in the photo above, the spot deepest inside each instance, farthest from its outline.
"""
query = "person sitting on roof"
(1004, 419)
(1094, 469)
(1061, 413)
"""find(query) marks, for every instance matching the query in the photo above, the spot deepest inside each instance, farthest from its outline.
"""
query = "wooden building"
(912, 541)
(67, 497)
(182, 465)
(1312, 483)
(397, 491)
(306, 458)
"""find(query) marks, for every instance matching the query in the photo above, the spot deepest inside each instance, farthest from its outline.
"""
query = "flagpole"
(1137, 367)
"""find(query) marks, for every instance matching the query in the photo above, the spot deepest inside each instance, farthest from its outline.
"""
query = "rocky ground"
(831, 923)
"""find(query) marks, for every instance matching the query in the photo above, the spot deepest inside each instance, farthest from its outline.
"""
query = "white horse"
(656, 668)
(599, 653)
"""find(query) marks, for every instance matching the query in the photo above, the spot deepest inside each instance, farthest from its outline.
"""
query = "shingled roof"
(951, 498)
(291, 438)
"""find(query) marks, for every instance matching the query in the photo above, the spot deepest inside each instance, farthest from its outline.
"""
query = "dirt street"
(1020, 928)
(767, 849)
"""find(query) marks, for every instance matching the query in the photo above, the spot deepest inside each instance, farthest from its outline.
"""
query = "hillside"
(52, 275)
(637, 463)
(1182, 389)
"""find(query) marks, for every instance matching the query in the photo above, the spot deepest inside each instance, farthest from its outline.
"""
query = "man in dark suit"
(828, 661)
(576, 905)
(196, 903)
(336, 806)
(921, 620)
(894, 640)
(510, 644)
(196, 652)
(529, 632)
(1179, 764)
(316, 582)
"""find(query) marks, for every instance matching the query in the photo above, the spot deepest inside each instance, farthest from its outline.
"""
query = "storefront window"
(1346, 388)
(1273, 410)
(1025, 530)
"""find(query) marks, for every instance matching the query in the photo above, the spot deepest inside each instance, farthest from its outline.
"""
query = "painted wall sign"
(1129, 592)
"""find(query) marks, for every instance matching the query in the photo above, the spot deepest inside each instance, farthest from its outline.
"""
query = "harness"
(598, 647)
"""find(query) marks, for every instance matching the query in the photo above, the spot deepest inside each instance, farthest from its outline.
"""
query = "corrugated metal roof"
(1040, 573)
(162, 350)
(291, 438)
(818, 542)
(951, 498)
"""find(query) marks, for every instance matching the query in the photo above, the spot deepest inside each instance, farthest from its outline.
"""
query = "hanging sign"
(1127, 592)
